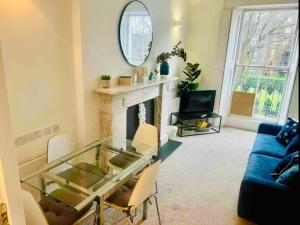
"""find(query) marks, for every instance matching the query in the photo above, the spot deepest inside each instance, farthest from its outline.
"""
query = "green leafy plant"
(177, 51)
(105, 77)
(192, 72)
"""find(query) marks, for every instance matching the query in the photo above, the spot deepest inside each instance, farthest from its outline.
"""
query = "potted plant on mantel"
(163, 58)
(105, 81)
(192, 72)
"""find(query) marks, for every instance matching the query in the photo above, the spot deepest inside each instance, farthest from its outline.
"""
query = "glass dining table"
(91, 173)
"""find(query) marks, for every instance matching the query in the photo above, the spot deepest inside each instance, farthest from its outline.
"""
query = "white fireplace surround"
(115, 101)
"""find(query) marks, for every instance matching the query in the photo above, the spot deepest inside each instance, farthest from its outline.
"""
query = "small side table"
(187, 123)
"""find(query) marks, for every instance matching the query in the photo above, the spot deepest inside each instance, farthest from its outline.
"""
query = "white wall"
(36, 38)
(99, 48)
(204, 22)
(9, 177)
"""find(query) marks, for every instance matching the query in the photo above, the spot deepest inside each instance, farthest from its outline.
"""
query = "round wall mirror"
(135, 33)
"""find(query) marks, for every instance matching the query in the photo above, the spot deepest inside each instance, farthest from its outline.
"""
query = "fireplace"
(119, 103)
(133, 120)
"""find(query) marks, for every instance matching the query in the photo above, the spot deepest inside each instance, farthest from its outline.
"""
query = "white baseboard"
(245, 123)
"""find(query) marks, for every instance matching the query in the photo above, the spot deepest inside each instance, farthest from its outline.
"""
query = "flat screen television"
(197, 102)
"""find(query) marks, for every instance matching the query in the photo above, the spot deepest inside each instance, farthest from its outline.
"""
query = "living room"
(75, 68)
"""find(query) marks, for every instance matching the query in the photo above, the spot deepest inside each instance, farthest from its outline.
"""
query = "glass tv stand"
(187, 123)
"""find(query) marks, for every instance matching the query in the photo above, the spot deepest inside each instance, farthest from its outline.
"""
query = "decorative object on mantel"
(150, 76)
(162, 59)
(125, 80)
(105, 81)
(142, 113)
(141, 73)
(192, 72)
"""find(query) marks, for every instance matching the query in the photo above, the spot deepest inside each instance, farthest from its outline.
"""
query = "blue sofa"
(261, 199)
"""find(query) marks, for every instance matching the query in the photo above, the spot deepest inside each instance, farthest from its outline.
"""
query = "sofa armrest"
(269, 128)
(260, 185)
(266, 202)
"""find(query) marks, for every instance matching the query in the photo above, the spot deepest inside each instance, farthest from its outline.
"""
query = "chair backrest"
(144, 185)
(145, 134)
(33, 213)
(59, 146)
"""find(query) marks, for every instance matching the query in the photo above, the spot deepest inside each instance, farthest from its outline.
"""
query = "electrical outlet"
(22, 140)
(39, 133)
(35, 135)
(47, 131)
(55, 128)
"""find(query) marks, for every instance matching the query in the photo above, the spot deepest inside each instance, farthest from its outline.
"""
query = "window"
(262, 66)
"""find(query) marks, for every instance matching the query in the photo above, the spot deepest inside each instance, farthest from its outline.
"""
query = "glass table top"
(78, 178)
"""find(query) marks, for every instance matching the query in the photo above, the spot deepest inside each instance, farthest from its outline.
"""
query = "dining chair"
(59, 146)
(51, 212)
(146, 134)
(135, 192)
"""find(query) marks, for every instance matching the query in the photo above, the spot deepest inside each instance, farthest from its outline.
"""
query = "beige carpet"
(199, 183)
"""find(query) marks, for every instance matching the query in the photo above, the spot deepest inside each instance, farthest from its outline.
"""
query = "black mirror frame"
(119, 32)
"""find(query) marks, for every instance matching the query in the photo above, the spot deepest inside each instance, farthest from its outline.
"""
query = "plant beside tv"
(192, 72)
(163, 58)
(105, 80)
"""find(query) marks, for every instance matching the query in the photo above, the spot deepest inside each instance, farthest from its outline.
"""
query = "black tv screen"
(197, 102)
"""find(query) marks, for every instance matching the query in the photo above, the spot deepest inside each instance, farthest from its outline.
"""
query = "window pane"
(281, 35)
(254, 39)
(269, 93)
(246, 79)
(268, 37)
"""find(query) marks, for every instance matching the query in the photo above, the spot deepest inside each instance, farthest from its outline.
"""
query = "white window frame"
(230, 66)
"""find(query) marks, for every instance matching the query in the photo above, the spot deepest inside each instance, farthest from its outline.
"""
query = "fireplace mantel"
(119, 90)
(115, 101)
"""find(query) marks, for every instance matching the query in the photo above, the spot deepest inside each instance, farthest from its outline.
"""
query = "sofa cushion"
(288, 131)
(284, 164)
(120, 197)
(261, 166)
(58, 213)
(293, 146)
(290, 176)
(267, 145)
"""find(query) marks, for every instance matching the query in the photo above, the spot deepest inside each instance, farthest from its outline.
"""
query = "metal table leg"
(100, 211)
(145, 209)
